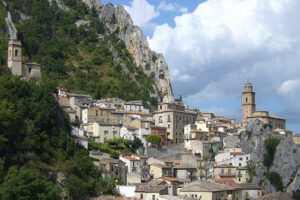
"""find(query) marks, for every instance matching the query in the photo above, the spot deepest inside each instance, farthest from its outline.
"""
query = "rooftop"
(130, 158)
(177, 197)
(205, 186)
(223, 180)
(160, 165)
(150, 188)
(276, 196)
(236, 153)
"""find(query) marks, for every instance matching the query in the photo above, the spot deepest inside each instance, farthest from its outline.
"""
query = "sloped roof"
(130, 158)
(205, 186)
(160, 165)
(276, 196)
(150, 188)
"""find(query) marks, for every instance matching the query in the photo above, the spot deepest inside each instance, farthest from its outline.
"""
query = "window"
(16, 52)
(240, 164)
(247, 195)
(241, 158)
(153, 197)
(239, 179)
(246, 100)
(246, 158)
(160, 107)
(29, 69)
(258, 193)
(141, 196)
(169, 118)
(114, 133)
(169, 126)
(160, 119)
(96, 112)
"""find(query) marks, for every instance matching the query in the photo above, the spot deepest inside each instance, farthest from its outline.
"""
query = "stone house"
(225, 171)
(99, 131)
(128, 133)
(246, 191)
(174, 116)
(144, 129)
(150, 192)
(92, 114)
(206, 190)
(237, 159)
(158, 170)
(79, 136)
(136, 106)
(133, 163)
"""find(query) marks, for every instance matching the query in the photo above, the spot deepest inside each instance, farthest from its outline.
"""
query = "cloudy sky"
(214, 47)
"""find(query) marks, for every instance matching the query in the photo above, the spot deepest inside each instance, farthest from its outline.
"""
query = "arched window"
(16, 52)
(246, 100)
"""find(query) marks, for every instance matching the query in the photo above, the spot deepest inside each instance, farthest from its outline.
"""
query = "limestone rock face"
(117, 18)
(286, 161)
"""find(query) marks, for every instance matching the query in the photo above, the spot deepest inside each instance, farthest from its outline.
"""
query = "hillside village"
(194, 154)
(198, 155)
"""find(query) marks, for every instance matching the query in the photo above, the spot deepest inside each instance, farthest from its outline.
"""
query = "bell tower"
(248, 101)
(14, 60)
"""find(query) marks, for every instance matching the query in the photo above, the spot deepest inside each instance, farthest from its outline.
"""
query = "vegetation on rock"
(270, 146)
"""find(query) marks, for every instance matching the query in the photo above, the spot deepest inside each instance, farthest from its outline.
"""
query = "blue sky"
(214, 47)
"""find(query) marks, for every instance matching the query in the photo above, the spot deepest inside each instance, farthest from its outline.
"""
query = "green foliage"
(276, 180)
(34, 133)
(75, 57)
(154, 57)
(147, 67)
(252, 172)
(154, 139)
(296, 194)
(28, 184)
(270, 146)
(107, 184)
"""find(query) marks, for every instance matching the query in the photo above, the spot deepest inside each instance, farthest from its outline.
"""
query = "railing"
(228, 174)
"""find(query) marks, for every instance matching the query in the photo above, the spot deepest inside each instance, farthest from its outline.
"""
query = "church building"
(250, 112)
(27, 69)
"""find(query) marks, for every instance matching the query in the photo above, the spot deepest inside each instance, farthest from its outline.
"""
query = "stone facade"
(29, 70)
(249, 110)
(174, 116)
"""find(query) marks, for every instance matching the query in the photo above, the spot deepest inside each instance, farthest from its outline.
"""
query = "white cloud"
(142, 12)
(289, 91)
(225, 43)
(163, 5)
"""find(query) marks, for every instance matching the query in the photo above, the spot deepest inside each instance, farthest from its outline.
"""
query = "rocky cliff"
(286, 159)
(117, 18)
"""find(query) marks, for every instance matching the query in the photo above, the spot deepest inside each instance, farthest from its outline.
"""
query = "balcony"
(227, 174)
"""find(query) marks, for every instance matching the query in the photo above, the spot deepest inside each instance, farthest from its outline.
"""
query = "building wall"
(146, 196)
(156, 171)
(226, 173)
(248, 101)
(102, 132)
(32, 71)
(203, 195)
(244, 176)
(14, 60)
(175, 122)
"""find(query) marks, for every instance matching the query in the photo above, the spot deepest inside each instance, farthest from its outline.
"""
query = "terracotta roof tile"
(130, 158)
(160, 165)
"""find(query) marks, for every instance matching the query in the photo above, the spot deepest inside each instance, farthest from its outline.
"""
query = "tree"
(154, 139)
(27, 184)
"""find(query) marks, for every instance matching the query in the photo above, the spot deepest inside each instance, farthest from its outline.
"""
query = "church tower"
(248, 101)
(14, 61)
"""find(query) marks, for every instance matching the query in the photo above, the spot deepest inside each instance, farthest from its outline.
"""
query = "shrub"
(270, 146)
(276, 180)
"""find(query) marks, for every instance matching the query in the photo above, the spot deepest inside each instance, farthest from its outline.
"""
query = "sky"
(214, 47)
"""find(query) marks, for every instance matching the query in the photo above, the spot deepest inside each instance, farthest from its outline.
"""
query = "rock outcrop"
(286, 160)
(117, 18)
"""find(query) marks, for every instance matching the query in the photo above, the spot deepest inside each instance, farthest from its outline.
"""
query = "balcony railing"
(227, 174)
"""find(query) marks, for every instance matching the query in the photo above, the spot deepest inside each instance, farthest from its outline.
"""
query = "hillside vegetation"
(85, 59)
